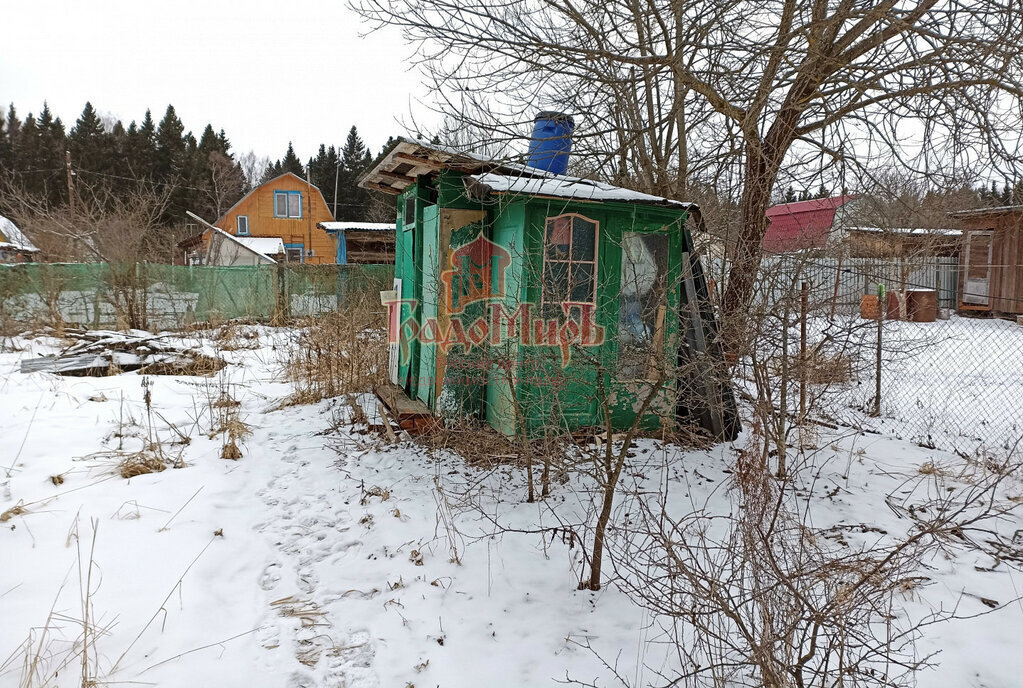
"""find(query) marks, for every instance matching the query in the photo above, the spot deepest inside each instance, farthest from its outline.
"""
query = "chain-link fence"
(154, 296)
(926, 373)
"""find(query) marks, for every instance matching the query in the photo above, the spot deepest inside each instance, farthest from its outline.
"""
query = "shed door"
(977, 281)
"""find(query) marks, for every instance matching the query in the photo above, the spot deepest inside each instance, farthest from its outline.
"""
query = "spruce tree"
(352, 200)
(272, 171)
(169, 159)
(291, 163)
(48, 164)
(89, 144)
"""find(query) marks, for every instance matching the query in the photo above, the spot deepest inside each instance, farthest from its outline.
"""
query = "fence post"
(282, 302)
(804, 300)
(881, 308)
(834, 296)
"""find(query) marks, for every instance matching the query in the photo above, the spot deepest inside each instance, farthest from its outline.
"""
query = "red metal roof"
(804, 224)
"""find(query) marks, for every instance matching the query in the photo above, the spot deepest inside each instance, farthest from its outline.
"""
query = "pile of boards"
(97, 353)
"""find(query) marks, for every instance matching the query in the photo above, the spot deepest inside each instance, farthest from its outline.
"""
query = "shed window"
(243, 225)
(295, 253)
(570, 262)
(642, 304)
(409, 211)
(288, 204)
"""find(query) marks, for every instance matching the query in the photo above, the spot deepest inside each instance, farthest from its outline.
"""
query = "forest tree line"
(202, 174)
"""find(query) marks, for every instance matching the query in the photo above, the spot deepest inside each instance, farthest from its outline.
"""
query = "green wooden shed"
(529, 299)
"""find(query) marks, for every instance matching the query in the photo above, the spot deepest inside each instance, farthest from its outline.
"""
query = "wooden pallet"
(411, 415)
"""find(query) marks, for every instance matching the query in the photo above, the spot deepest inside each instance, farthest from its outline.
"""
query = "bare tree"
(733, 92)
(227, 183)
(121, 229)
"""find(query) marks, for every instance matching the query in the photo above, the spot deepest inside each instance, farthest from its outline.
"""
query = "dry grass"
(141, 463)
(822, 368)
(339, 353)
(196, 364)
(231, 451)
(16, 510)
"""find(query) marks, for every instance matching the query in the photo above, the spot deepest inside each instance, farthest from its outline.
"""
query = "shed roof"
(563, 186)
(238, 240)
(267, 246)
(909, 231)
(356, 226)
(980, 212)
(410, 159)
(13, 238)
(804, 224)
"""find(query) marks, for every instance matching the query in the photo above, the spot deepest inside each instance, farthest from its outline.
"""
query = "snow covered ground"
(323, 557)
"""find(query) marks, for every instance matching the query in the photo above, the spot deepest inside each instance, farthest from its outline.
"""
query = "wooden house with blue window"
(524, 297)
(286, 208)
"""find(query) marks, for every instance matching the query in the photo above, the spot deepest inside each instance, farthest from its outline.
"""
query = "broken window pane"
(642, 304)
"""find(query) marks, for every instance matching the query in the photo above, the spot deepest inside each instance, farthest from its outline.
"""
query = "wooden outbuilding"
(361, 243)
(523, 297)
(991, 260)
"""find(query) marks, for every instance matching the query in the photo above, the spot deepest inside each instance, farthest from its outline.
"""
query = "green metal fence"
(151, 296)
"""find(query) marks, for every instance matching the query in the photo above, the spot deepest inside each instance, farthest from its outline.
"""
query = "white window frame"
(287, 215)
(242, 231)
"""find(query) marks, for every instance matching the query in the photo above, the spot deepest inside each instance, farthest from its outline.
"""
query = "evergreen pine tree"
(291, 163)
(352, 201)
(89, 144)
(169, 158)
(51, 142)
(272, 171)
(790, 195)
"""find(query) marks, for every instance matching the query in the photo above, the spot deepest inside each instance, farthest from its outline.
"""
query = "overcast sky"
(266, 72)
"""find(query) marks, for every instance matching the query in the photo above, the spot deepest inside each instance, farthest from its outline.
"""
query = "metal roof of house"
(12, 238)
(410, 159)
(801, 225)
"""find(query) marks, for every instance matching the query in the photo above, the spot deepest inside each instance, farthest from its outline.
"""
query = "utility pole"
(70, 186)
(337, 173)
(309, 192)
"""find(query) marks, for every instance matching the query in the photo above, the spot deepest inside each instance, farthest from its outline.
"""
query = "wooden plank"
(381, 187)
(400, 178)
(399, 404)
(422, 162)
(386, 418)
(705, 377)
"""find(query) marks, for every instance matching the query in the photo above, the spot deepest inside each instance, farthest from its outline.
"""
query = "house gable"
(262, 219)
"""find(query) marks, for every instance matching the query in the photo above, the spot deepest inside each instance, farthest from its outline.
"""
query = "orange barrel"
(868, 307)
(895, 307)
(922, 305)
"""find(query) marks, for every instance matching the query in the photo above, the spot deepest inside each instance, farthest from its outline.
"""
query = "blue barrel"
(551, 142)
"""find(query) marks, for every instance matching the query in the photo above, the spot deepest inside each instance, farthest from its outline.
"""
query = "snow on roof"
(988, 211)
(267, 246)
(563, 186)
(411, 158)
(915, 231)
(356, 226)
(12, 238)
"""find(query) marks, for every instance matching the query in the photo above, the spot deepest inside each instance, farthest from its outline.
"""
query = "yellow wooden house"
(289, 208)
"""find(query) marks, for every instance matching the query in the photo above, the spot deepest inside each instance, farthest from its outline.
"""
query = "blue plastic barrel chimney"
(551, 142)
